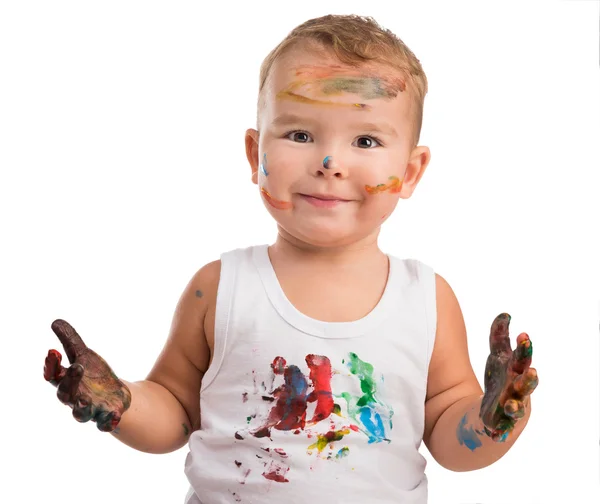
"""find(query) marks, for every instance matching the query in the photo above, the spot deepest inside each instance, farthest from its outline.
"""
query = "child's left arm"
(465, 429)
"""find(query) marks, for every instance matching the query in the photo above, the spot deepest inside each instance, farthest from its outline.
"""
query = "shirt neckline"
(315, 327)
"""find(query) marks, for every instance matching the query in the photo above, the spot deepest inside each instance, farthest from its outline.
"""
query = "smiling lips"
(323, 200)
(318, 200)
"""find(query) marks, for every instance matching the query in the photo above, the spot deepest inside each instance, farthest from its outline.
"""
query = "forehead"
(316, 77)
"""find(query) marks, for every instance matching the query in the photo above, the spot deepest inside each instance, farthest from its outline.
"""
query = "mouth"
(325, 197)
(324, 200)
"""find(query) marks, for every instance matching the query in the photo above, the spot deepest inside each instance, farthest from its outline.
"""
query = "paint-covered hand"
(89, 385)
(508, 380)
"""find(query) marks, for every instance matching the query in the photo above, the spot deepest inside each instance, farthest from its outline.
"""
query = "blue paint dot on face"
(326, 162)
(263, 165)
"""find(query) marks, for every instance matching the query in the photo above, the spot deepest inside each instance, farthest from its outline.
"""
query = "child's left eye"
(370, 141)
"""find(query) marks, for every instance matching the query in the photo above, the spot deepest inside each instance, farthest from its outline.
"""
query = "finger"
(514, 409)
(67, 388)
(83, 409)
(499, 339)
(71, 341)
(107, 421)
(526, 383)
(522, 354)
(53, 370)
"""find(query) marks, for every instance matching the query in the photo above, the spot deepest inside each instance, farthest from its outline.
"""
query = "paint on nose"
(263, 166)
(327, 162)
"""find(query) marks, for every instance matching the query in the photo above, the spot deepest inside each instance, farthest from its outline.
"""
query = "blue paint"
(326, 162)
(467, 436)
(373, 424)
(263, 166)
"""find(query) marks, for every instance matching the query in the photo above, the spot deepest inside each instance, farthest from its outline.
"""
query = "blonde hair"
(355, 40)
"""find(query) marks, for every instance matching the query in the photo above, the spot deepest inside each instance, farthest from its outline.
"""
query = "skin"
(509, 380)
(344, 132)
(88, 385)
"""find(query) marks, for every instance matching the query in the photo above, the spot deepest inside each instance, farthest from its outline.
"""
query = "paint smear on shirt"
(372, 415)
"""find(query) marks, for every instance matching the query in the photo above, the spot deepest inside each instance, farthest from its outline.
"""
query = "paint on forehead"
(289, 95)
(368, 88)
(389, 85)
(275, 203)
(263, 165)
(394, 186)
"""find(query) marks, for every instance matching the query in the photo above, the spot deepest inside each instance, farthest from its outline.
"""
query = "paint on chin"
(467, 436)
(275, 203)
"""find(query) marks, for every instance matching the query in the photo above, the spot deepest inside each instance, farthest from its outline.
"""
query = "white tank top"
(298, 410)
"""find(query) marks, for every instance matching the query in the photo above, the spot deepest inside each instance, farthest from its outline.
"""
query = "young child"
(311, 370)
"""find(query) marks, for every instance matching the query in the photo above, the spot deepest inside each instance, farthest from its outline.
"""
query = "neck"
(361, 251)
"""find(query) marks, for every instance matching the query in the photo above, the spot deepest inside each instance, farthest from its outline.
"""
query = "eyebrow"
(384, 128)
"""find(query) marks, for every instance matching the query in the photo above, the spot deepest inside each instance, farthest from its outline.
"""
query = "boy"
(318, 359)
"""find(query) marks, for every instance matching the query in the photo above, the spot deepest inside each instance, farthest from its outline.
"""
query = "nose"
(330, 168)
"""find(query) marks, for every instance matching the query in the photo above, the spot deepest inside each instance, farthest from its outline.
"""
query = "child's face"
(329, 130)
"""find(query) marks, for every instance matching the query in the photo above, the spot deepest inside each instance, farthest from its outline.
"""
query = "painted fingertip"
(75, 370)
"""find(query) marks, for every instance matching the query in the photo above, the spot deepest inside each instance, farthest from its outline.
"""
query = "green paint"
(337, 410)
(364, 372)
(342, 453)
(368, 87)
(199, 293)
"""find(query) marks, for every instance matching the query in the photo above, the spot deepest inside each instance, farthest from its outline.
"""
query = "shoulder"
(451, 334)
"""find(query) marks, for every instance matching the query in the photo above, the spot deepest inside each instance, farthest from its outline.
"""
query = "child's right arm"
(155, 415)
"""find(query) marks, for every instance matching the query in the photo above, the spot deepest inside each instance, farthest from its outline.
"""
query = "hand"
(89, 385)
(508, 380)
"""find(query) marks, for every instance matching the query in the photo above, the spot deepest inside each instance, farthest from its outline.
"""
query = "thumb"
(71, 341)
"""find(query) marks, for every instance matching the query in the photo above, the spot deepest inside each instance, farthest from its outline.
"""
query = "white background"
(123, 172)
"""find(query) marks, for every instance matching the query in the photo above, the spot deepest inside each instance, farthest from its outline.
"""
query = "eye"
(298, 136)
(368, 142)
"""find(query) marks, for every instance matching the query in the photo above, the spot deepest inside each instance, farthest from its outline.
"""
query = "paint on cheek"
(263, 166)
(466, 435)
(394, 186)
(275, 203)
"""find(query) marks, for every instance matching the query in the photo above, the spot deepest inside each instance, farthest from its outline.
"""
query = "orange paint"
(289, 95)
(337, 80)
(394, 185)
(275, 203)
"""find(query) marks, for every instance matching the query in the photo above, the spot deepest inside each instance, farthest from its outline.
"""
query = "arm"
(454, 430)
(165, 408)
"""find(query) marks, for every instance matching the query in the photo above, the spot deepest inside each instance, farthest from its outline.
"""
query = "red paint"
(274, 476)
(320, 375)
(278, 365)
(276, 472)
(289, 411)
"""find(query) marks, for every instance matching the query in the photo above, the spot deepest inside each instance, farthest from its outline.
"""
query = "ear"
(251, 140)
(415, 168)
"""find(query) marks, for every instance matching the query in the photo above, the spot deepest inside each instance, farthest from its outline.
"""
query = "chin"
(324, 236)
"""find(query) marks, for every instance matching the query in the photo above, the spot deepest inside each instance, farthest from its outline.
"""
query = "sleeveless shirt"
(299, 410)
